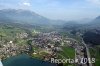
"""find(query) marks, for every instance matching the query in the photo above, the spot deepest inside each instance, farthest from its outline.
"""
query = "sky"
(57, 9)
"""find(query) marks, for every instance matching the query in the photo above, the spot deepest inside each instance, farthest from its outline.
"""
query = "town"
(46, 42)
(43, 46)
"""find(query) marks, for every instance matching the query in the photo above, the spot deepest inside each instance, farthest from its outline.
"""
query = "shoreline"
(1, 63)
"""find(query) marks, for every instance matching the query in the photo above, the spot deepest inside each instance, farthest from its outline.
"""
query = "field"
(67, 53)
(95, 53)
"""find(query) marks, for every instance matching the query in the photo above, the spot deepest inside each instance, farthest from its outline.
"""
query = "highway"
(87, 51)
(80, 51)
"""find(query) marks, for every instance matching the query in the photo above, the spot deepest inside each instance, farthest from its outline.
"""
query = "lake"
(25, 60)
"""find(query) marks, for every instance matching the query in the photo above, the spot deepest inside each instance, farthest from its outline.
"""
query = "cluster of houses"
(21, 35)
(11, 49)
(50, 43)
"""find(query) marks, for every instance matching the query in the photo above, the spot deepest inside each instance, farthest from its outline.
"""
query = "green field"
(9, 33)
(66, 53)
(95, 53)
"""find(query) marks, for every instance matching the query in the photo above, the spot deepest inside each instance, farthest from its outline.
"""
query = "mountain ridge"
(24, 16)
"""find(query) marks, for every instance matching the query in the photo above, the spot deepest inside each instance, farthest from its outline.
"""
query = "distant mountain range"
(22, 16)
(30, 17)
(93, 24)
(26, 17)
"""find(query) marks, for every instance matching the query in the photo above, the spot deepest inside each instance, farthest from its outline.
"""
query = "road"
(79, 54)
(87, 51)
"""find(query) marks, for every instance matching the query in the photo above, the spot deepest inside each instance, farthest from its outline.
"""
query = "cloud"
(26, 4)
(96, 2)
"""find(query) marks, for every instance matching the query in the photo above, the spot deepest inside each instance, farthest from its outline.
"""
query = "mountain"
(96, 21)
(29, 17)
(84, 21)
(22, 16)
(26, 17)
(92, 24)
(92, 37)
(98, 18)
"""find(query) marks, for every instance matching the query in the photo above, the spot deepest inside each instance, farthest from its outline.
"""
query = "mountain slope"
(94, 24)
(22, 16)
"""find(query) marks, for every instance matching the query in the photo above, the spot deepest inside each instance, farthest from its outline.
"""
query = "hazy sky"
(57, 9)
